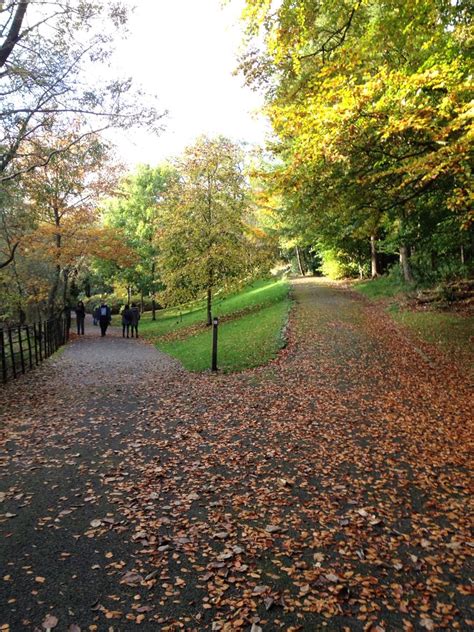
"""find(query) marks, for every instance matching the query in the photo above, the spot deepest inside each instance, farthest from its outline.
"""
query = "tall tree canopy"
(371, 104)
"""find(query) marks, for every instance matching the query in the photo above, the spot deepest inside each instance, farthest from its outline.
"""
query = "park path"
(328, 490)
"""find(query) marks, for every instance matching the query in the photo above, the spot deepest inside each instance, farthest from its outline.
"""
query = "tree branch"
(14, 32)
(10, 258)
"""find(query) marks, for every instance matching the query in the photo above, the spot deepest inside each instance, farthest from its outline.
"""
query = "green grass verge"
(382, 287)
(243, 343)
(453, 333)
(258, 294)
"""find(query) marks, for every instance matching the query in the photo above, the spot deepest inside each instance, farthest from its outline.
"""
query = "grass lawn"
(250, 332)
(259, 293)
(451, 332)
(246, 342)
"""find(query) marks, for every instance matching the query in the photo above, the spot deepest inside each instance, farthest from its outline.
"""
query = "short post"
(215, 323)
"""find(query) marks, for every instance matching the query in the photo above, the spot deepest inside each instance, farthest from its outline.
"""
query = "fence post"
(35, 338)
(46, 338)
(12, 353)
(40, 341)
(4, 356)
(20, 344)
(28, 340)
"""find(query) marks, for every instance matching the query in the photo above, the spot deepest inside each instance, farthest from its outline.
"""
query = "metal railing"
(22, 347)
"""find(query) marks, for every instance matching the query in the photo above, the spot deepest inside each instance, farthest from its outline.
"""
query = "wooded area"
(368, 170)
(371, 106)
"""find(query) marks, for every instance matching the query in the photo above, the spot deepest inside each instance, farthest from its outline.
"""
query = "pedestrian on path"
(104, 318)
(80, 317)
(135, 318)
(96, 315)
(127, 318)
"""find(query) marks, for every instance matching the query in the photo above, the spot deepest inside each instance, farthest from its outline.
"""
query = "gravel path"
(90, 357)
(327, 490)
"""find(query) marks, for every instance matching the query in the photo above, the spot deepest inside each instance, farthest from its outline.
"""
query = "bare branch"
(14, 32)
(10, 258)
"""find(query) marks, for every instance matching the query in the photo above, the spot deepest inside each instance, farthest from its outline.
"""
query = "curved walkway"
(328, 490)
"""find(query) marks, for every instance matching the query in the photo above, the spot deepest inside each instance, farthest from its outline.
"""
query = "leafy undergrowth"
(328, 490)
(250, 330)
(251, 340)
(383, 287)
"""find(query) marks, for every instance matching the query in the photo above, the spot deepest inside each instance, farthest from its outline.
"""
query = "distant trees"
(370, 102)
(52, 216)
(135, 211)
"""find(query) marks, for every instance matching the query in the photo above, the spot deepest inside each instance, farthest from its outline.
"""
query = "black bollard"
(215, 323)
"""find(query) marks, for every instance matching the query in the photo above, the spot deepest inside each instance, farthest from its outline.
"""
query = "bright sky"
(185, 51)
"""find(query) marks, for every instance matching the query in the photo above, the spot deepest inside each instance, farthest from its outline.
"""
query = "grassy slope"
(246, 342)
(250, 339)
(451, 332)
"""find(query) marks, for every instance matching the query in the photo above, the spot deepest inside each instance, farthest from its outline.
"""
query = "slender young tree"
(203, 242)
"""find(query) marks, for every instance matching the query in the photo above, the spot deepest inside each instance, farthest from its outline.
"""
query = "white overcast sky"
(185, 51)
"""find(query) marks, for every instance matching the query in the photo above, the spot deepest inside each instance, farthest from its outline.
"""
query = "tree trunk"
(14, 33)
(129, 294)
(65, 288)
(57, 273)
(405, 264)
(298, 257)
(209, 306)
(373, 257)
(53, 291)
(153, 308)
(142, 301)
(463, 257)
(361, 271)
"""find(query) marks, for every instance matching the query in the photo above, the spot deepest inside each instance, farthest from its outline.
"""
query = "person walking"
(80, 317)
(135, 318)
(127, 317)
(96, 315)
(104, 318)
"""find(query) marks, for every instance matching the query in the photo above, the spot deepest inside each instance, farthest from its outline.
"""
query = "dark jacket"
(135, 315)
(80, 311)
(104, 313)
(127, 317)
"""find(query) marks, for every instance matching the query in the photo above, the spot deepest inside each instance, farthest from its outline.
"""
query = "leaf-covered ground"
(328, 490)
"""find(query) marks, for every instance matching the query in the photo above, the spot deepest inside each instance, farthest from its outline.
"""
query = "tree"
(62, 198)
(135, 212)
(370, 104)
(47, 50)
(204, 242)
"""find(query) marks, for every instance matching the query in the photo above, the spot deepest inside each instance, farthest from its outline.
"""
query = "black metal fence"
(23, 347)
